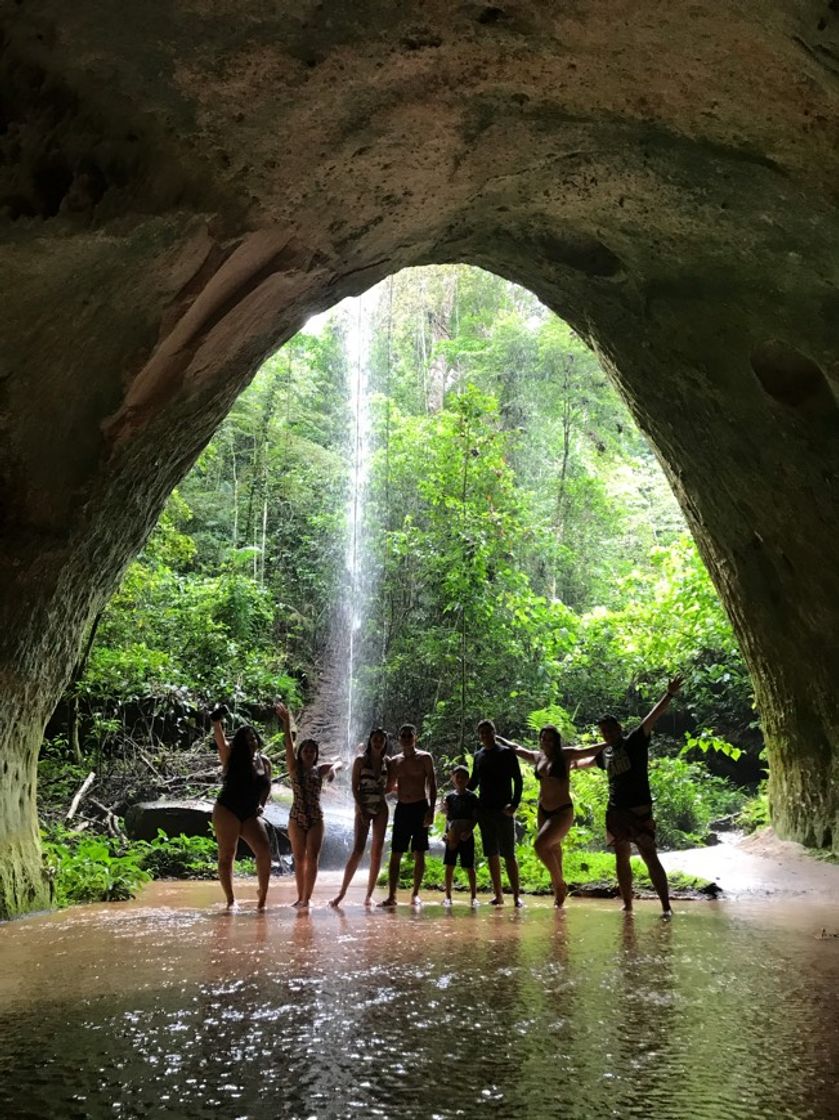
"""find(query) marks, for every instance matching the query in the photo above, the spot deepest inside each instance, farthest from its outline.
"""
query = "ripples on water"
(144, 1011)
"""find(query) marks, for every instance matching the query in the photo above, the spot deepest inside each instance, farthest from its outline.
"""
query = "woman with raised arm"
(555, 813)
(247, 785)
(369, 785)
(305, 819)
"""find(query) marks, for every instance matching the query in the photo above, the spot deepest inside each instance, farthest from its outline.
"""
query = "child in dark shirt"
(461, 807)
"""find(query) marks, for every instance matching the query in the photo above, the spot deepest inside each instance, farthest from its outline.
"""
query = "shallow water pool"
(169, 1007)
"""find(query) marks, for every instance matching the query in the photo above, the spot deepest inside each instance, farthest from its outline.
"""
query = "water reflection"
(150, 1011)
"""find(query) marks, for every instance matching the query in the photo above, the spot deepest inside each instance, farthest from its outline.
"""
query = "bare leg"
(473, 883)
(658, 876)
(256, 836)
(494, 863)
(392, 878)
(419, 871)
(297, 837)
(314, 843)
(449, 881)
(512, 866)
(227, 827)
(548, 847)
(624, 871)
(376, 848)
(362, 827)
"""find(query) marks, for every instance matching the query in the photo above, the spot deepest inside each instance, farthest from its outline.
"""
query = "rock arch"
(182, 185)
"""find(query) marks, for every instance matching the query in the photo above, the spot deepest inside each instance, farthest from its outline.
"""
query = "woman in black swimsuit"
(555, 814)
(236, 813)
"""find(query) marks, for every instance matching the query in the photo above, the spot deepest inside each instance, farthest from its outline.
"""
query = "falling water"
(358, 342)
(334, 716)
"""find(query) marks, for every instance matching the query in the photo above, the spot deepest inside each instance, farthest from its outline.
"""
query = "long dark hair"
(308, 743)
(367, 756)
(559, 763)
(240, 763)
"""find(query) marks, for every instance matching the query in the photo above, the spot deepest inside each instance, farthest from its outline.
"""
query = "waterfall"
(335, 715)
(358, 343)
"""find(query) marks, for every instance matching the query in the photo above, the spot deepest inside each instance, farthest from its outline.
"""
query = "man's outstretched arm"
(658, 711)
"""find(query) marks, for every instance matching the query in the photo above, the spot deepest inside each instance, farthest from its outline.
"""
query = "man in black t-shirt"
(629, 812)
(496, 774)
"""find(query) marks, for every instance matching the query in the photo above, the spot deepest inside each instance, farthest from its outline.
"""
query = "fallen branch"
(111, 819)
(80, 792)
(145, 758)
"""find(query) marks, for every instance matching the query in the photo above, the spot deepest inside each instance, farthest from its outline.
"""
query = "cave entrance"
(429, 506)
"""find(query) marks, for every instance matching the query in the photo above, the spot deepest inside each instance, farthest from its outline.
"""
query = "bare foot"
(388, 904)
(496, 901)
(561, 895)
(261, 906)
(335, 903)
(368, 902)
(232, 906)
(626, 908)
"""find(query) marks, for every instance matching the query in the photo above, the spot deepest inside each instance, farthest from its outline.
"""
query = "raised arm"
(222, 744)
(284, 716)
(580, 754)
(658, 711)
(522, 752)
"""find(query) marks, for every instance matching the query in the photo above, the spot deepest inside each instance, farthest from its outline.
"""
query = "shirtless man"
(412, 776)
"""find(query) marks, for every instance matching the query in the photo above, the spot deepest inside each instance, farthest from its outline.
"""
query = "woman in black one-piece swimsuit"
(247, 784)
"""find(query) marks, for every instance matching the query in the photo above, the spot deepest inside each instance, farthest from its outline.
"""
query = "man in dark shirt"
(629, 812)
(497, 776)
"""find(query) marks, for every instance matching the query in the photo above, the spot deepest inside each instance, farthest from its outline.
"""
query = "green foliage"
(184, 857)
(706, 741)
(687, 799)
(91, 868)
(754, 813)
(582, 870)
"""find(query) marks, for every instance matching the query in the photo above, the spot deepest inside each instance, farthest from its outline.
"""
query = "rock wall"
(183, 184)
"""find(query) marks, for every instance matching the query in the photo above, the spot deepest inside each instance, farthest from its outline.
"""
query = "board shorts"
(630, 824)
(498, 832)
(409, 829)
(465, 849)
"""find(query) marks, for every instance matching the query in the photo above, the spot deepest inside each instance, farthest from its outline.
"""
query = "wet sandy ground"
(760, 866)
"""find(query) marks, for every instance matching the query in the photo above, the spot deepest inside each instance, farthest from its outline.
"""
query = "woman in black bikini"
(247, 784)
(555, 814)
(369, 784)
(305, 818)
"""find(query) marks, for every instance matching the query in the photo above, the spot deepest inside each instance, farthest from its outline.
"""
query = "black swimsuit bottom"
(242, 807)
(555, 812)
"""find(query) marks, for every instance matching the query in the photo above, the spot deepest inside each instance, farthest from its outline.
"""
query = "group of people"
(486, 798)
